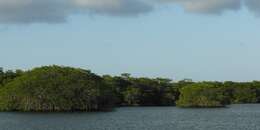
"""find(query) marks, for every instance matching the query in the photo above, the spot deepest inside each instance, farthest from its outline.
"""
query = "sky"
(198, 39)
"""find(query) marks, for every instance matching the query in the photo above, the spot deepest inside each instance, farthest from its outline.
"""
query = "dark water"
(237, 117)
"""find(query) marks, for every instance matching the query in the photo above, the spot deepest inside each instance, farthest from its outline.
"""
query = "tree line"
(59, 88)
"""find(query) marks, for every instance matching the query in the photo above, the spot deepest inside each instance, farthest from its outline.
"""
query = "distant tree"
(1, 76)
(256, 86)
(8, 76)
(118, 86)
(19, 72)
(125, 75)
(132, 96)
(201, 95)
(183, 83)
(163, 80)
(244, 94)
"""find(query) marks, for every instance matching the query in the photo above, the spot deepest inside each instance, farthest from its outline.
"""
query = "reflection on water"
(236, 117)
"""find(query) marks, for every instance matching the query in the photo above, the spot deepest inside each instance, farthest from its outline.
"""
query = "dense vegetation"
(58, 88)
(8, 76)
(202, 95)
(55, 88)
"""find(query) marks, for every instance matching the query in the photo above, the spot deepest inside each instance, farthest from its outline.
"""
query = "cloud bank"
(57, 11)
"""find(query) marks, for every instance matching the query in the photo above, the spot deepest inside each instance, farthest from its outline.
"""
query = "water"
(236, 117)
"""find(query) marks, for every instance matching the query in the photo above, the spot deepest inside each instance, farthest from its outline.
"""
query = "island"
(65, 89)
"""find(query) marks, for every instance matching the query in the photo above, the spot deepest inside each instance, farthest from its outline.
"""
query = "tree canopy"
(201, 95)
(59, 88)
(55, 88)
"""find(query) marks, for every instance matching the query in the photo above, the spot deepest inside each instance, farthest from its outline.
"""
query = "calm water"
(237, 117)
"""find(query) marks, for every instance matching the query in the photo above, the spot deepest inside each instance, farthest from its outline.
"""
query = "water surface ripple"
(236, 117)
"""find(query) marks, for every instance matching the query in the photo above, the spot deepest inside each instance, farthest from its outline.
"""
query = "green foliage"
(256, 86)
(244, 95)
(1, 76)
(132, 96)
(118, 86)
(155, 92)
(8, 76)
(55, 88)
(246, 92)
(201, 95)
(142, 91)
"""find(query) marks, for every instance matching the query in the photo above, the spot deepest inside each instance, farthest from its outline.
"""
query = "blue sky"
(172, 41)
